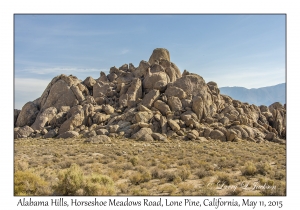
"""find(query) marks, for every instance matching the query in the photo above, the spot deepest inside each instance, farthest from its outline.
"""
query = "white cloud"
(30, 84)
(28, 89)
(125, 51)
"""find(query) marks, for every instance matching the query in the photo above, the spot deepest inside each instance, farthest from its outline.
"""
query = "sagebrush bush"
(134, 160)
(168, 188)
(170, 175)
(28, 183)
(207, 191)
(249, 169)
(123, 187)
(135, 178)
(202, 172)
(70, 180)
(186, 188)
(177, 180)
(97, 184)
(157, 173)
(140, 177)
(140, 192)
(224, 178)
(184, 172)
(263, 168)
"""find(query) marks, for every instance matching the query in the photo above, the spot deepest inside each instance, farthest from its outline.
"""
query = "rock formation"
(151, 102)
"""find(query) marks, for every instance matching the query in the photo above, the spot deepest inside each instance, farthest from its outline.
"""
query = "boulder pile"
(153, 101)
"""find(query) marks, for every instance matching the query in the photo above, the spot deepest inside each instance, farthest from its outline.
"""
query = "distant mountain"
(258, 96)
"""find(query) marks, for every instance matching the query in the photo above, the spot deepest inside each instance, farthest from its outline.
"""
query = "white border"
(8, 8)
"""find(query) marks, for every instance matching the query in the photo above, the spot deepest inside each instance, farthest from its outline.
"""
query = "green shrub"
(139, 192)
(139, 177)
(135, 178)
(97, 184)
(28, 183)
(70, 180)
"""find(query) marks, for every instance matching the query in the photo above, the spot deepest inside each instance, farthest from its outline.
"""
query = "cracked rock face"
(151, 102)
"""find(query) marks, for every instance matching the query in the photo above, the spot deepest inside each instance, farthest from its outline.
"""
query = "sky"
(232, 50)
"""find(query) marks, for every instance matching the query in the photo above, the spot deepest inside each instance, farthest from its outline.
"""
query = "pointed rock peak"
(159, 53)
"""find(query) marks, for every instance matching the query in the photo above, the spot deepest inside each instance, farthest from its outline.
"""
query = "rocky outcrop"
(159, 53)
(44, 118)
(27, 115)
(153, 102)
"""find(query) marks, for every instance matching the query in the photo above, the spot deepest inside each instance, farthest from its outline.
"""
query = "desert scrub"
(123, 187)
(168, 188)
(139, 177)
(140, 192)
(170, 175)
(270, 187)
(186, 188)
(207, 191)
(28, 183)
(234, 192)
(97, 184)
(249, 169)
(224, 178)
(184, 172)
(263, 168)
(21, 165)
(202, 172)
(157, 173)
(134, 160)
(70, 180)
(279, 175)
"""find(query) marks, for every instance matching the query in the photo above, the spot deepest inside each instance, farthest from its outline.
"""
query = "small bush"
(170, 175)
(157, 173)
(134, 160)
(70, 181)
(140, 177)
(235, 192)
(28, 183)
(273, 188)
(123, 187)
(263, 168)
(201, 173)
(168, 188)
(207, 191)
(98, 185)
(279, 175)
(139, 192)
(184, 172)
(177, 180)
(249, 169)
(185, 188)
(224, 179)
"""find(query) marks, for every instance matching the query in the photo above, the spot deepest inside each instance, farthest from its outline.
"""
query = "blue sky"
(232, 50)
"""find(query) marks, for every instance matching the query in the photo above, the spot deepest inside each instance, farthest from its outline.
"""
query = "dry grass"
(148, 168)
